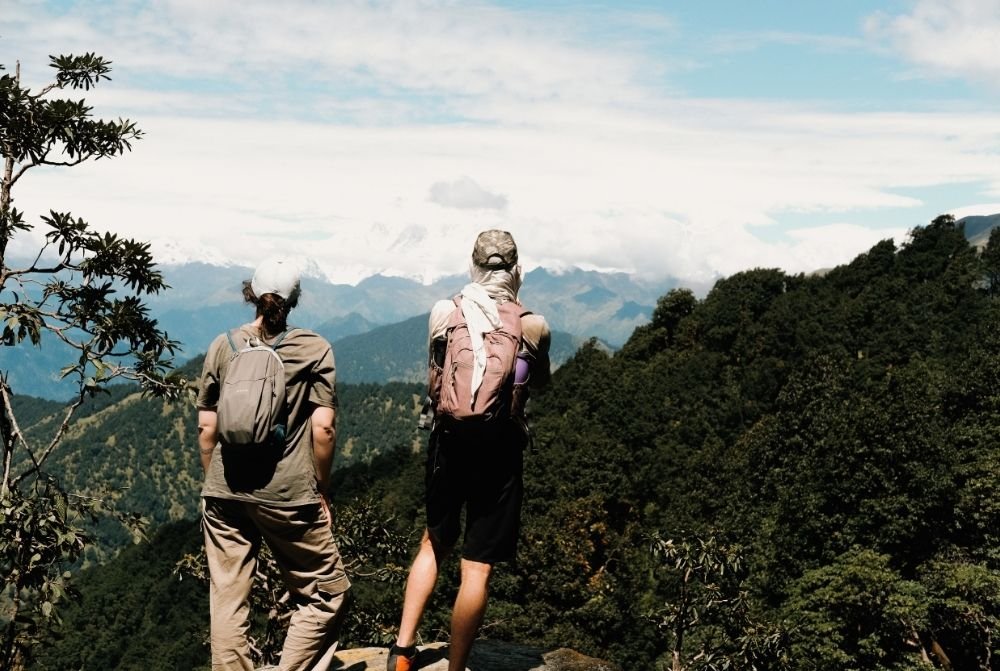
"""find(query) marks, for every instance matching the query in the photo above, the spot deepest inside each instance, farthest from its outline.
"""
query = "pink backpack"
(450, 386)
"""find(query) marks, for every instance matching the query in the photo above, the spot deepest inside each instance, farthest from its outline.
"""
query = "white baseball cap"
(276, 276)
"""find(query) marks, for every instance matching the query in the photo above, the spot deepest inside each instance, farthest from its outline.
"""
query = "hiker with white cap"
(485, 351)
(267, 430)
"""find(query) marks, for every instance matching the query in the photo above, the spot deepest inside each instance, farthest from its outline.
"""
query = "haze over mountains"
(584, 303)
(204, 299)
(378, 325)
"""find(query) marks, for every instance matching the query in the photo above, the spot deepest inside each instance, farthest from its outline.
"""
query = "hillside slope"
(141, 454)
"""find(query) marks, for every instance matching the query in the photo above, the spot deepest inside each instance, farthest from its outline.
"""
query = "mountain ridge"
(204, 299)
(584, 303)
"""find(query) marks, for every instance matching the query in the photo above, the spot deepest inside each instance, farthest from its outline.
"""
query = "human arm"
(323, 416)
(536, 338)
(324, 439)
(208, 421)
(437, 322)
(437, 329)
(208, 397)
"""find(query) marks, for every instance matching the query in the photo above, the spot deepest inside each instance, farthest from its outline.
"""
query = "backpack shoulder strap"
(515, 308)
(456, 317)
(233, 336)
(281, 336)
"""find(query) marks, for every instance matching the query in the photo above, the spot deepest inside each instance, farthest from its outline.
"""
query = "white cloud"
(437, 49)
(315, 130)
(678, 194)
(466, 194)
(981, 209)
(955, 38)
(742, 42)
(834, 244)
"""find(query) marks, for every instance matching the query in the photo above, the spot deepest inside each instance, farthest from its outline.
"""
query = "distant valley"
(584, 303)
(378, 327)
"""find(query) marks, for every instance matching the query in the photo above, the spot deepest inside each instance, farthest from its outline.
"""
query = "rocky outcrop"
(486, 656)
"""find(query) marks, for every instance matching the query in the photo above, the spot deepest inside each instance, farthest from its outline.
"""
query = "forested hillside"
(836, 433)
(140, 454)
(796, 472)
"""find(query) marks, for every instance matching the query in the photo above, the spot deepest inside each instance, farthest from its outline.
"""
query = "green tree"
(133, 612)
(990, 257)
(83, 289)
(707, 620)
(964, 613)
(857, 613)
(662, 331)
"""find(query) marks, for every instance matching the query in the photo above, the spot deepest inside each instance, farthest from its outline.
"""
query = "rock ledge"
(486, 656)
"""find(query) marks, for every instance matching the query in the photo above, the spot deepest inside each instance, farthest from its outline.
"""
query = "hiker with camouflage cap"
(485, 351)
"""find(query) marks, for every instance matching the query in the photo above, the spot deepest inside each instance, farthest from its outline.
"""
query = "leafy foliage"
(837, 428)
(856, 613)
(706, 597)
(84, 289)
(134, 612)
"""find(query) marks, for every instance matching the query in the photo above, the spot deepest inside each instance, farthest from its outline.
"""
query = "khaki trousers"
(303, 546)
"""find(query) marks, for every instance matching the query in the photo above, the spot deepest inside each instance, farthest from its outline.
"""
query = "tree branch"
(44, 161)
(136, 376)
(38, 258)
(59, 332)
(83, 157)
(43, 271)
(8, 452)
(15, 435)
(13, 177)
(7, 455)
(46, 89)
(55, 439)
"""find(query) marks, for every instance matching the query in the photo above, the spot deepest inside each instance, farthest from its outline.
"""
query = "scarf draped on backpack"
(480, 310)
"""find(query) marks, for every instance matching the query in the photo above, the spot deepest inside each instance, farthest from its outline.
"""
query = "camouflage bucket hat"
(495, 250)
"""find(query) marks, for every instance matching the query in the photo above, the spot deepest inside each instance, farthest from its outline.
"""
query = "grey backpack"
(251, 409)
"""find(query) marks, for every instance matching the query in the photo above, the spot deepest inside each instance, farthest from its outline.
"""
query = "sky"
(669, 139)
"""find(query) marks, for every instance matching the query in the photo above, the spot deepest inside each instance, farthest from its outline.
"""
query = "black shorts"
(478, 468)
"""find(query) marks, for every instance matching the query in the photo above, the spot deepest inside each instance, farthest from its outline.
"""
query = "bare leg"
(419, 587)
(470, 606)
